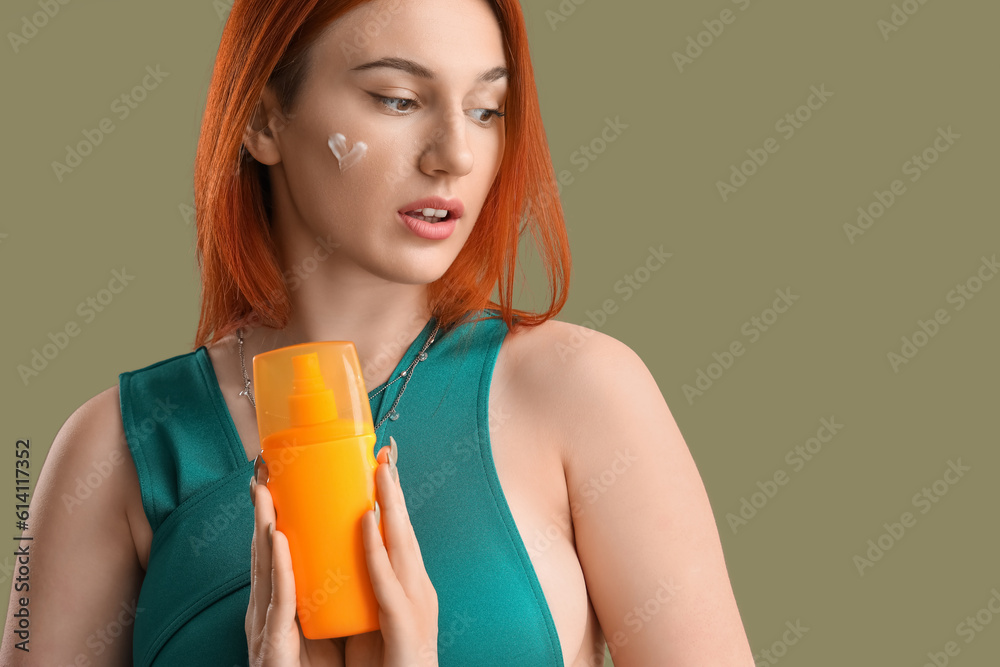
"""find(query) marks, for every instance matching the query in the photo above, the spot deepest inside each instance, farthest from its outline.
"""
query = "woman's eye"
(490, 115)
(402, 105)
(387, 101)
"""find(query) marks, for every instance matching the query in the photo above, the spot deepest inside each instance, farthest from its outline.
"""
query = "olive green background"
(827, 356)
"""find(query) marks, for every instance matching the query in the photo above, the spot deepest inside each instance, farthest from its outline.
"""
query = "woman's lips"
(445, 215)
(454, 205)
(435, 231)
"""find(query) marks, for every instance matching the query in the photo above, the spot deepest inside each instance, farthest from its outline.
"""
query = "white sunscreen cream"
(346, 158)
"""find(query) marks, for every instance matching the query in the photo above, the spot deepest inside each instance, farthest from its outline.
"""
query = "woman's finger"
(263, 515)
(281, 610)
(407, 599)
(414, 543)
(402, 549)
(391, 457)
(249, 625)
(387, 588)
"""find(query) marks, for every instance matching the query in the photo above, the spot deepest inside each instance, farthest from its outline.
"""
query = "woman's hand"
(408, 604)
(408, 607)
(274, 636)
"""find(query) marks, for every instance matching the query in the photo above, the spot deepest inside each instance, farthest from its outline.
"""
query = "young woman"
(365, 172)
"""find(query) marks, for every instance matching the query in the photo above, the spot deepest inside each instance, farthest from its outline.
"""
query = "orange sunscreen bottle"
(317, 439)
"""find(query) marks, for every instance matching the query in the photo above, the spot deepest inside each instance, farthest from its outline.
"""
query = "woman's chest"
(527, 458)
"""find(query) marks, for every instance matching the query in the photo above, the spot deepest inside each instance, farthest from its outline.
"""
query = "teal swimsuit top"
(194, 477)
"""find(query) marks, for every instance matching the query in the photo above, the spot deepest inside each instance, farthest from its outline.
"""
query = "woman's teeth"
(429, 214)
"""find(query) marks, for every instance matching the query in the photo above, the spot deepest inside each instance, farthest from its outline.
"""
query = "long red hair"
(267, 43)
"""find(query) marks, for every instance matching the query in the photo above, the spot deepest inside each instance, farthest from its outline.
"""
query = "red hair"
(267, 43)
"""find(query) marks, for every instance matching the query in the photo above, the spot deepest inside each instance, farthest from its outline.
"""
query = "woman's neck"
(381, 323)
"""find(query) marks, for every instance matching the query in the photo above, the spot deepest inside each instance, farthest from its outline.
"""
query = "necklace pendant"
(393, 415)
(422, 357)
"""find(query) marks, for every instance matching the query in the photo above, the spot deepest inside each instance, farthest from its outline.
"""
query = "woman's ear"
(267, 121)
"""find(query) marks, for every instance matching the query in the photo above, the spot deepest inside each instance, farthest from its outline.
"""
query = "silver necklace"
(407, 373)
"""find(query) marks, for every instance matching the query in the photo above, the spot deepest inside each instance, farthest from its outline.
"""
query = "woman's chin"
(416, 272)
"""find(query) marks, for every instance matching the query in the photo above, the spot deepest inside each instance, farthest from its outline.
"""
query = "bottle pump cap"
(296, 386)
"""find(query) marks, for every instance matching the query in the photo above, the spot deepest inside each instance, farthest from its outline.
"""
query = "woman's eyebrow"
(416, 69)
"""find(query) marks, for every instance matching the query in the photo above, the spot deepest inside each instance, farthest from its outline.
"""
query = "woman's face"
(366, 140)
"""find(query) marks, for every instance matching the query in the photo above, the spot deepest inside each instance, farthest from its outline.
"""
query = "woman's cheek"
(348, 151)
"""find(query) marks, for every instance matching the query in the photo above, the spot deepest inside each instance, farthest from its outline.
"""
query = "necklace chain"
(391, 414)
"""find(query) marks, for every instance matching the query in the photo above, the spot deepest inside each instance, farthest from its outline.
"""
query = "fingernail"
(393, 451)
(260, 469)
(270, 533)
(393, 457)
(253, 491)
(378, 513)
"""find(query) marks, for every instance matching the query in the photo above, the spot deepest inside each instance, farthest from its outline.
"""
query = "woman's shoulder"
(97, 422)
(92, 439)
(555, 360)
(562, 347)
(90, 462)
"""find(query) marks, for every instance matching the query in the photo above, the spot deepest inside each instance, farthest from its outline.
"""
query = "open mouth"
(430, 215)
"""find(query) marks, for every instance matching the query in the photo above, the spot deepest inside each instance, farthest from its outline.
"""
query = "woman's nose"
(447, 149)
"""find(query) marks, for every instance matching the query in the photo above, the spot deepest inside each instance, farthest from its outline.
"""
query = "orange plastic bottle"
(317, 438)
